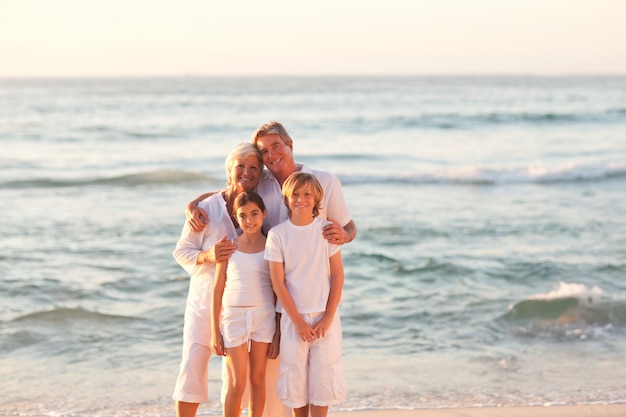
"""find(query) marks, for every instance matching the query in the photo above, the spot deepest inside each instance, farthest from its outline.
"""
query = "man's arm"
(338, 235)
(349, 232)
(197, 219)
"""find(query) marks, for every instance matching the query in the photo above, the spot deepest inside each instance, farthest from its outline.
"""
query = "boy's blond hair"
(297, 180)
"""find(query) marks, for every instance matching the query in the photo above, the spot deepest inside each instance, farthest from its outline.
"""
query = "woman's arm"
(197, 218)
(221, 251)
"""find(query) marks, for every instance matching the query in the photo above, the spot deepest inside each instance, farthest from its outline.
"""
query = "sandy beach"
(610, 410)
(600, 410)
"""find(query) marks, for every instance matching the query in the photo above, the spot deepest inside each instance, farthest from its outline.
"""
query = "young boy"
(307, 276)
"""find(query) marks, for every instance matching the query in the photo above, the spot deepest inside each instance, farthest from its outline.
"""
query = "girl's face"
(302, 202)
(250, 218)
(245, 173)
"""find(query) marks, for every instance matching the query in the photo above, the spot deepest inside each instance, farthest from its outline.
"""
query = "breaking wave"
(160, 177)
(478, 175)
(572, 311)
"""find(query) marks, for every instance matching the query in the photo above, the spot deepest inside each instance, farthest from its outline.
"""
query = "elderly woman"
(197, 253)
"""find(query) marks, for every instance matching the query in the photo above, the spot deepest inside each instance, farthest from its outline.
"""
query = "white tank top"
(248, 281)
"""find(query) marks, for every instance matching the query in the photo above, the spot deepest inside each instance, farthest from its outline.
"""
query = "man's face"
(277, 156)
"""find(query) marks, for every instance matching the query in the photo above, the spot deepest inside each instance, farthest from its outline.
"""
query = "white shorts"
(310, 372)
(192, 385)
(244, 324)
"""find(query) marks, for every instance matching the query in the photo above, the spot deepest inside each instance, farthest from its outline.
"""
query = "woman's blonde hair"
(299, 179)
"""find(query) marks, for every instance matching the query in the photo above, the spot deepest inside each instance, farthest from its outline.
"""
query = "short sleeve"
(332, 248)
(273, 248)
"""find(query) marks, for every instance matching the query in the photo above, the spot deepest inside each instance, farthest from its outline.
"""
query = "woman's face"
(245, 173)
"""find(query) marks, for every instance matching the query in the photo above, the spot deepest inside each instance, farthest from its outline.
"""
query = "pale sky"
(320, 37)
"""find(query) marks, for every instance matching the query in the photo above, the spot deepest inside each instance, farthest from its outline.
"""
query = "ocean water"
(489, 267)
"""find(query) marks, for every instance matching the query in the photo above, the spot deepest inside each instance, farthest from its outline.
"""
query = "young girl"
(307, 277)
(243, 318)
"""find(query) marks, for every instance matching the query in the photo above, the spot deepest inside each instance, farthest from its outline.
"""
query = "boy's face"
(302, 202)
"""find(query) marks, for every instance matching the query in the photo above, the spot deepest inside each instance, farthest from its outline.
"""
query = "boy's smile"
(302, 201)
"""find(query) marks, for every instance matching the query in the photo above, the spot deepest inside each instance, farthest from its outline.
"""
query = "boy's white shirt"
(305, 255)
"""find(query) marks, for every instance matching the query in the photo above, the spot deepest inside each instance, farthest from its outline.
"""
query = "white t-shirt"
(248, 281)
(198, 311)
(305, 255)
(333, 203)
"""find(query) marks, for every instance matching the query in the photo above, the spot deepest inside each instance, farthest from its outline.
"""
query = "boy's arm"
(334, 296)
(197, 218)
(277, 275)
(217, 343)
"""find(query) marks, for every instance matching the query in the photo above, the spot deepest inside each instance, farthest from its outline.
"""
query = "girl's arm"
(277, 275)
(334, 296)
(274, 349)
(217, 342)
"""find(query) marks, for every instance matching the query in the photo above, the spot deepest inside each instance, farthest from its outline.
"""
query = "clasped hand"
(309, 333)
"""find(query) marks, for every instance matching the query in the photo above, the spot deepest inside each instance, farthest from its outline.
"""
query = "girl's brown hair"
(246, 197)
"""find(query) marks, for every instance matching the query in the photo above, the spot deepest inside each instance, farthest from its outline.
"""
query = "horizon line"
(328, 75)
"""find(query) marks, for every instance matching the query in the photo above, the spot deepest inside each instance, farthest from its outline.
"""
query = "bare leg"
(300, 412)
(237, 363)
(184, 409)
(273, 406)
(318, 411)
(258, 365)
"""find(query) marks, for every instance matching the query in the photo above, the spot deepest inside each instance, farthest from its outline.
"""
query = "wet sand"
(610, 410)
